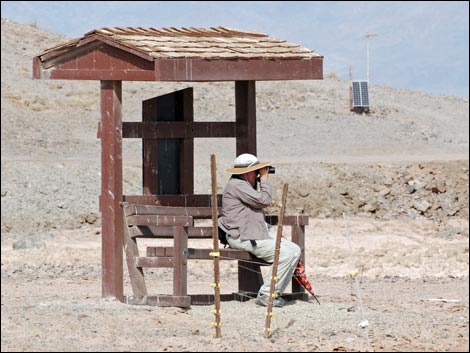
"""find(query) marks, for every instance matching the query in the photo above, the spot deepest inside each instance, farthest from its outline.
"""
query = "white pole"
(367, 36)
(368, 71)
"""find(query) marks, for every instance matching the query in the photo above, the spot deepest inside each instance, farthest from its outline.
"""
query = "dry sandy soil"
(399, 174)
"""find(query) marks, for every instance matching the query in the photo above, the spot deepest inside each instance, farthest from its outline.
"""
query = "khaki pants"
(264, 249)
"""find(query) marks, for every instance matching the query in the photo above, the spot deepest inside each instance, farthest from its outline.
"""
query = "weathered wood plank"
(208, 299)
(136, 273)
(197, 212)
(158, 220)
(183, 301)
(180, 129)
(203, 254)
(167, 232)
(154, 262)
(181, 200)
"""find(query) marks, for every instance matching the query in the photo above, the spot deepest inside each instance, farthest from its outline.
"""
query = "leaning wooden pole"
(216, 252)
(274, 278)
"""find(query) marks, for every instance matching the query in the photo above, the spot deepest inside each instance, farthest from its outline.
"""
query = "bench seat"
(177, 223)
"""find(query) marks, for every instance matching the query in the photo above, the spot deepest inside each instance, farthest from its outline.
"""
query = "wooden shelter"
(113, 55)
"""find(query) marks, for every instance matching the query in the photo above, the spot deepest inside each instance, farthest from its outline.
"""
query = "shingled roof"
(208, 44)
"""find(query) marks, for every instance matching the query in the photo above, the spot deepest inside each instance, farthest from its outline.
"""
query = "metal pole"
(216, 252)
(368, 67)
(269, 314)
(367, 36)
(353, 274)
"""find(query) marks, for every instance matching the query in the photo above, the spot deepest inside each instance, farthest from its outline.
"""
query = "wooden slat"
(153, 130)
(196, 212)
(212, 129)
(183, 301)
(167, 232)
(208, 299)
(158, 220)
(200, 299)
(135, 272)
(204, 212)
(181, 200)
(154, 262)
(203, 254)
(225, 254)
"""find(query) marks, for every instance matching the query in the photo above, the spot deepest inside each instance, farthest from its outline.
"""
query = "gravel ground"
(51, 299)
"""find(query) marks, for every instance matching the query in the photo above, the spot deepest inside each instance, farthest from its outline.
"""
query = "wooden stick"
(216, 253)
(277, 250)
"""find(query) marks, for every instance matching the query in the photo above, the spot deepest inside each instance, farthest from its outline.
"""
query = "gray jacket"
(242, 213)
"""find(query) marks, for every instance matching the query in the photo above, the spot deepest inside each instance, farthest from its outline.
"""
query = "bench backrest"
(148, 221)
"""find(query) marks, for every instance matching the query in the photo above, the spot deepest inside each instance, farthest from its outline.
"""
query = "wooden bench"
(177, 223)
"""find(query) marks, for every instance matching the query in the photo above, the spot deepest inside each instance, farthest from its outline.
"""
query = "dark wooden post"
(187, 144)
(245, 111)
(298, 237)
(111, 190)
(180, 265)
(249, 274)
(149, 151)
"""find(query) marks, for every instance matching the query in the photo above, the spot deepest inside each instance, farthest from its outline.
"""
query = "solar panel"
(360, 91)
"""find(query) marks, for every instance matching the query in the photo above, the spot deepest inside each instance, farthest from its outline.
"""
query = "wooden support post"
(149, 150)
(249, 274)
(187, 144)
(216, 251)
(298, 237)
(180, 265)
(277, 250)
(245, 115)
(111, 190)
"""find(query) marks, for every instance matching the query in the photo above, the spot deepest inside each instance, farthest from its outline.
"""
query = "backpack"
(223, 237)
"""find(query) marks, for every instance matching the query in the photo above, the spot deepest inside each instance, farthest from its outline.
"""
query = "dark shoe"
(263, 300)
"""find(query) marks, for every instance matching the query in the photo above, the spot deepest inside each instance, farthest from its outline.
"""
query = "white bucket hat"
(245, 163)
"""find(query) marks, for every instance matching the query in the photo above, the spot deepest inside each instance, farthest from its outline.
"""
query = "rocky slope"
(407, 158)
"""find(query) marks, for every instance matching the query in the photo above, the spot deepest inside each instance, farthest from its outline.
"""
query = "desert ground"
(392, 183)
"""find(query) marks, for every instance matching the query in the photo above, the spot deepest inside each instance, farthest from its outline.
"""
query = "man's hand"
(263, 173)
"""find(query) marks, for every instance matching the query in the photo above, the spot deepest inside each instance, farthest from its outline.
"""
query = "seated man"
(243, 219)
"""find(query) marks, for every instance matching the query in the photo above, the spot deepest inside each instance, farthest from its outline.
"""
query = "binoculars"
(271, 170)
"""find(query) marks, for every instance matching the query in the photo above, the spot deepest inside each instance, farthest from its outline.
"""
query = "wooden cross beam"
(153, 130)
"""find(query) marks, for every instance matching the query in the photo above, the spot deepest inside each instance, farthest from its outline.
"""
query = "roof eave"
(72, 61)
